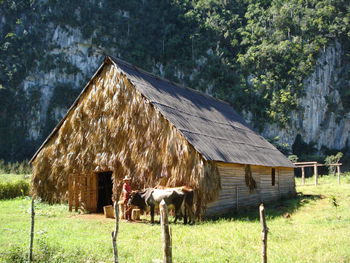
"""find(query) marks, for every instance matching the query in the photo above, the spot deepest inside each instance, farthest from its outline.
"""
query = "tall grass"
(45, 252)
(325, 179)
(15, 167)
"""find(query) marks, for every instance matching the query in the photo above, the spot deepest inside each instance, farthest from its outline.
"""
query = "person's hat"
(126, 178)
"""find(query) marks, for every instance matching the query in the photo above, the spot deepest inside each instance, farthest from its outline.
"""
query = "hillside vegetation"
(254, 54)
(312, 227)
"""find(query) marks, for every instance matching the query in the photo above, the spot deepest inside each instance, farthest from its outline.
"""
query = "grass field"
(307, 228)
(9, 178)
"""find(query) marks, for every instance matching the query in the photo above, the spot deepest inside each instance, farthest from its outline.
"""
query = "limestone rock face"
(321, 117)
(77, 53)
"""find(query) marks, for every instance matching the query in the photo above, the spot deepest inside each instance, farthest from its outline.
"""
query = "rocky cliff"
(75, 52)
(49, 50)
(321, 117)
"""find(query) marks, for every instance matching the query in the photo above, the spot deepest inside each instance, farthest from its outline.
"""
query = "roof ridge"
(210, 105)
(139, 78)
(224, 139)
(226, 124)
(166, 80)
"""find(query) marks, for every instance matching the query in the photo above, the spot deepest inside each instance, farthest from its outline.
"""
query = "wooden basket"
(108, 211)
(135, 215)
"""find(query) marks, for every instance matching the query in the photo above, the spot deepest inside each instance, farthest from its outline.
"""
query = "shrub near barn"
(13, 185)
(12, 190)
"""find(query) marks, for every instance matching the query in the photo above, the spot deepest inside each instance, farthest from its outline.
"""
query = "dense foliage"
(254, 54)
(10, 190)
(331, 159)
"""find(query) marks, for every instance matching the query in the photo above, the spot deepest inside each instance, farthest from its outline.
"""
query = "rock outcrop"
(321, 117)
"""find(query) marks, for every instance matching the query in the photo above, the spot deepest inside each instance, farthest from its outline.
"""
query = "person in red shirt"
(126, 195)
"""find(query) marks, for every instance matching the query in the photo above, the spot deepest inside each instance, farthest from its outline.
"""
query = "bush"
(293, 158)
(14, 189)
(333, 159)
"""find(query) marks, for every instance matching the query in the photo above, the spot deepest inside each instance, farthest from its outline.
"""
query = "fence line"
(315, 165)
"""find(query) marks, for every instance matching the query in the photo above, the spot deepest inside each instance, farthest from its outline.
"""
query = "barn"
(127, 121)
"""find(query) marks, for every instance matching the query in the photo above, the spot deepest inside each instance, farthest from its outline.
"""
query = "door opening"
(105, 190)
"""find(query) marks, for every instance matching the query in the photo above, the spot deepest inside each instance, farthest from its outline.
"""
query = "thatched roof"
(213, 128)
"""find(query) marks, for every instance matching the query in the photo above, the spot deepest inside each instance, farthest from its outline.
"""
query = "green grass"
(11, 178)
(325, 179)
(307, 228)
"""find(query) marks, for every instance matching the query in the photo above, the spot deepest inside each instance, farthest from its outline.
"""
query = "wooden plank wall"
(268, 191)
(287, 185)
(230, 181)
(235, 194)
(82, 192)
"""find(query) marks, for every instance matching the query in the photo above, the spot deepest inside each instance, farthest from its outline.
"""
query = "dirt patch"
(96, 216)
(93, 216)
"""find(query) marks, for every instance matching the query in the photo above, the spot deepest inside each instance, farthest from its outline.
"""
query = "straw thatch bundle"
(115, 128)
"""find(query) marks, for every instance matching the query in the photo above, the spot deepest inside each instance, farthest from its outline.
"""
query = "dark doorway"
(105, 190)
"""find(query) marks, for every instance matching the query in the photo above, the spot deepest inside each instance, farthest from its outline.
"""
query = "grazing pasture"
(307, 228)
(11, 178)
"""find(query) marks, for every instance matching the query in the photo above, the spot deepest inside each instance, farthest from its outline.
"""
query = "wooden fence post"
(338, 172)
(70, 193)
(115, 232)
(31, 231)
(76, 193)
(303, 175)
(237, 198)
(315, 173)
(263, 233)
(166, 238)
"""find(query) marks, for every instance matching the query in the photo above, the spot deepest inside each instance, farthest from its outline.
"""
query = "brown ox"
(180, 197)
(187, 208)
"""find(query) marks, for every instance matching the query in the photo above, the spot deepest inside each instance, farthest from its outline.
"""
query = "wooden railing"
(303, 165)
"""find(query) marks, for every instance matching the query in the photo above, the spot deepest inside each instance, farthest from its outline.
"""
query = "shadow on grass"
(146, 220)
(284, 207)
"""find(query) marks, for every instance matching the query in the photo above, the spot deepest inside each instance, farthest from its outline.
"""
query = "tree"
(331, 159)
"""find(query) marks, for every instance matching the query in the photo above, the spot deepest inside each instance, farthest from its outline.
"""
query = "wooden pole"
(303, 175)
(263, 233)
(115, 232)
(76, 193)
(338, 172)
(31, 231)
(237, 198)
(70, 193)
(315, 174)
(166, 238)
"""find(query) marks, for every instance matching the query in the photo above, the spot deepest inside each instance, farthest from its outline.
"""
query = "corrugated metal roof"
(212, 126)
